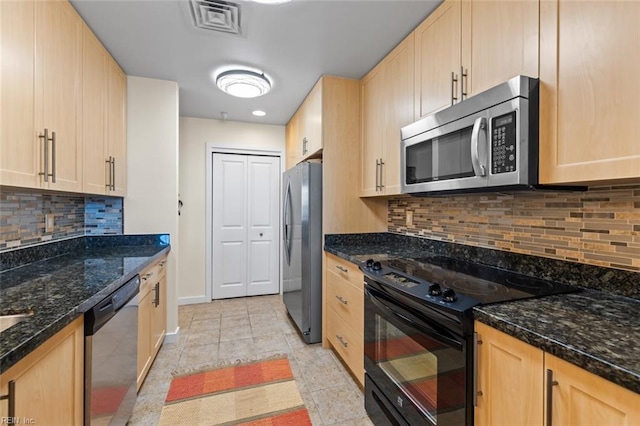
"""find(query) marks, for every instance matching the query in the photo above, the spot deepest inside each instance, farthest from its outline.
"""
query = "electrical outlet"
(409, 218)
(49, 222)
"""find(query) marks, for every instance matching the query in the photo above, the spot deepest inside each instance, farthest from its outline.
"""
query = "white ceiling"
(294, 44)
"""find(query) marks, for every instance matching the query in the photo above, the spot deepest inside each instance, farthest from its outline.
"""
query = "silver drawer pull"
(341, 339)
(342, 300)
(147, 275)
(342, 268)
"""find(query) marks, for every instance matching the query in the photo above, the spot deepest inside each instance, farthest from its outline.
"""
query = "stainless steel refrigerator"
(302, 248)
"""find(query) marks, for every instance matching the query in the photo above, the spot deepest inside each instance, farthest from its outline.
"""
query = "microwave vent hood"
(486, 143)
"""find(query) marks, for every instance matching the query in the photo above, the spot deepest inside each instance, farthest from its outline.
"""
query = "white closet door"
(245, 225)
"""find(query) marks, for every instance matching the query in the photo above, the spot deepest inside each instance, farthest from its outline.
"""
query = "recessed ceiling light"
(243, 83)
(271, 1)
(259, 113)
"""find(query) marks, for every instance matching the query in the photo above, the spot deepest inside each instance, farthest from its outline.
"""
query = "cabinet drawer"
(345, 270)
(347, 343)
(346, 300)
(152, 274)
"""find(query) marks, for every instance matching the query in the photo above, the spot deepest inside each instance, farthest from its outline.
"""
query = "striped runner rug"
(258, 394)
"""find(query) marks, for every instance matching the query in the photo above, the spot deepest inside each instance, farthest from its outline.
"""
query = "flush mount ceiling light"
(259, 113)
(243, 83)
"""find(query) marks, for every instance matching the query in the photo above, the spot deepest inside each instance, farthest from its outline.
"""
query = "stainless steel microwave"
(487, 142)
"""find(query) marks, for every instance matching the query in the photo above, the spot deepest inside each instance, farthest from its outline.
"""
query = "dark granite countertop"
(597, 329)
(59, 289)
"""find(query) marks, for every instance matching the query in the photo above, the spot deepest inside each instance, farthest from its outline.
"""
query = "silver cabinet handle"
(341, 339)
(11, 399)
(113, 173)
(304, 145)
(463, 83)
(480, 124)
(45, 155)
(454, 81)
(550, 384)
(156, 299)
(381, 174)
(344, 302)
(108, 162)
(377, 174)
(53, 157)
(476, 392)
(342, 268)
(147, 276)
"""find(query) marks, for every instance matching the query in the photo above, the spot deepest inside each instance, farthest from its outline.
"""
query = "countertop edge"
(16, 354)
(587, 362)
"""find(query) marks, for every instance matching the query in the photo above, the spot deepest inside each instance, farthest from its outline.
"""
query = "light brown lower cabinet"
(344, 313)
(48, 384)
(519, 384)
(152, 316)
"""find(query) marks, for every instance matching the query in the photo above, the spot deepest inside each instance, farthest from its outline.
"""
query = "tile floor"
(252, 328)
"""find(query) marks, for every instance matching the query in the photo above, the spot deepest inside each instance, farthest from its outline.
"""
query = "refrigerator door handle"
(285, 225)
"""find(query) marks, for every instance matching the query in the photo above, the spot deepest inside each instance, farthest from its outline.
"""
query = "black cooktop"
(457, 284)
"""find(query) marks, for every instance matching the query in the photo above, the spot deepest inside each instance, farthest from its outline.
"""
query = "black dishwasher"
(111, 355)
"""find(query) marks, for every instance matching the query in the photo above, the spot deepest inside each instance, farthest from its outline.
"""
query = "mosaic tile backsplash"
(600, 226)
(23, 212)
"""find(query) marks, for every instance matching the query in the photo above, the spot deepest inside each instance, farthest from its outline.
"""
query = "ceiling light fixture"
(259, 113)
(243, 83)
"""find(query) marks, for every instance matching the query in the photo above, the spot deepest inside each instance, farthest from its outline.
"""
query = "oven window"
(429, 372)
(441, 158)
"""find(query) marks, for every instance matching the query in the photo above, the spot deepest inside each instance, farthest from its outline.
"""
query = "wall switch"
(409, 218)
(48, 222)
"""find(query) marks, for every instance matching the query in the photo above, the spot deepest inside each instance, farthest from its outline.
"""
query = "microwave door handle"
(479, 125)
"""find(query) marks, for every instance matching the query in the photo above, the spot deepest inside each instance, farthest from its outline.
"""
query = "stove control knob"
(376, 266)
(369, 264)
(449, 295)
(435, 290)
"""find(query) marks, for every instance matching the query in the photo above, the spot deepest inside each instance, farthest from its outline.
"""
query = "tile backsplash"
(23, 211)
(600, 226)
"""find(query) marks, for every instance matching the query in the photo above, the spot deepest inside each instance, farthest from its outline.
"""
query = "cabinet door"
(117, 127)
(438, 54)
(499, 41)
(373, 92)
(94, 114)
(400, 71)
(20, 148)
(145, 317)
(510, 380)
(293, 147)
(582, 398)
(159, 314)
(49, 382)
(59, 89)
(311, 125)
(589, 93)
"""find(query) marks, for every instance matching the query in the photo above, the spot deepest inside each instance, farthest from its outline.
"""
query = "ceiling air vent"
(216, 15)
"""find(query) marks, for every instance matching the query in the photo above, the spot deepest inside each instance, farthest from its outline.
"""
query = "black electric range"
(454, 286)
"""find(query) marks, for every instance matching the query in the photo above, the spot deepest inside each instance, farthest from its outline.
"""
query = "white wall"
(195, 134)
(151, 204)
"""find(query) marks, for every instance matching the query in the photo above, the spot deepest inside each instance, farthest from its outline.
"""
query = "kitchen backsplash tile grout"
(599, 227)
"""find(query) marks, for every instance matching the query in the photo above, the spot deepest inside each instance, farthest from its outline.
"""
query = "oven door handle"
(377, 299)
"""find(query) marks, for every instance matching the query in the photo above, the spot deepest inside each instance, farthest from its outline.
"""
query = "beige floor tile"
(230, 331)
(339, 404)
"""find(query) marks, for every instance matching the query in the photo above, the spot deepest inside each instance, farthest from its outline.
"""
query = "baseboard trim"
(173, 336)
(192, 300)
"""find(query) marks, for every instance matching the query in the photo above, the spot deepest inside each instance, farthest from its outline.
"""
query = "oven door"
(419, 367)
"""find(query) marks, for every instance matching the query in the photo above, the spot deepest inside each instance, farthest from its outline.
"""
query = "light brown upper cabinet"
(304, 130)
(589, 98)
(103, 120)
(387, 105)
(41, 75)
(465, 47)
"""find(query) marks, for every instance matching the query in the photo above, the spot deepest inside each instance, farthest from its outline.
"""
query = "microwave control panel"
(503, 144)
